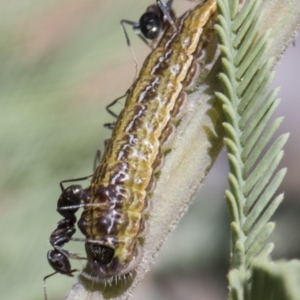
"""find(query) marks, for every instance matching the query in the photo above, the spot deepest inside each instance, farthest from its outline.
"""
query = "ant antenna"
(131, 51)
(108, 109)
(166, 8)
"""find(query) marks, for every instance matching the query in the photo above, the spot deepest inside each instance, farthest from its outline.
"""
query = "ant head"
(156, 19)
(70, 196)
(150, 25)
(59, 262)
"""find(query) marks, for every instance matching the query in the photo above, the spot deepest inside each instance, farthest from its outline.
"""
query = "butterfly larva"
(114, 219)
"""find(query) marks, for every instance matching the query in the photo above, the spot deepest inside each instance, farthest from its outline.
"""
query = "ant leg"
(78, 240)
(97, 159)
(89, 241)
(67, 253)
(110, 126)
(77, 206)
(45, 286)
(106, 141)
(112, 104)
(50, 275)
(73, 180)
(165, 8)
(135, 26)
(145, 41)
(170, 2)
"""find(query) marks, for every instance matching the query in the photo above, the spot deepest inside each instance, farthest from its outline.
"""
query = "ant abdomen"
(59, 262)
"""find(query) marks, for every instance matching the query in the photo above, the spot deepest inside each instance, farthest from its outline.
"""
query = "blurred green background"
(61, 63)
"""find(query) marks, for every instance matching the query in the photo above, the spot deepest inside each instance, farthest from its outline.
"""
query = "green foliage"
(248, 108)
(268, 280)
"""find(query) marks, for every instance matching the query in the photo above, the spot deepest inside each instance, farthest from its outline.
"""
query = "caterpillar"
(73, 197)
(114, 217)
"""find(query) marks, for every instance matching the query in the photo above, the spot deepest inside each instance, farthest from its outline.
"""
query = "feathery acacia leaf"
(266, 280)
(253, 178)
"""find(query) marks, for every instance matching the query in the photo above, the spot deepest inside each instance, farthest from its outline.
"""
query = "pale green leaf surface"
(246, 68)
(264, 163)
(259, 121)
(248, 40)
(232, 204)
(261, 144)
(258, 87)
(252, 196)
(256, 230)
(250, 11)
(278, 280)
(253, 106)
(267, 250)
(260, 239)
(252, 59)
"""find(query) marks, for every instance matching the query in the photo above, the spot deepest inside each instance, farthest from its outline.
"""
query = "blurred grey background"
(61, 63)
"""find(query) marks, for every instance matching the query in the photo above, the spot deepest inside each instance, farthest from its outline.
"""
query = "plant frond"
(268, 280)
(253, 178)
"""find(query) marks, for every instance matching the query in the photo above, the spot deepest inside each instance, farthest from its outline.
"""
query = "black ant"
(67, 205)
(156, 19)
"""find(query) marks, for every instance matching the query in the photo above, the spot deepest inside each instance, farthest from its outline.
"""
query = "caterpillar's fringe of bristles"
(108, 281)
